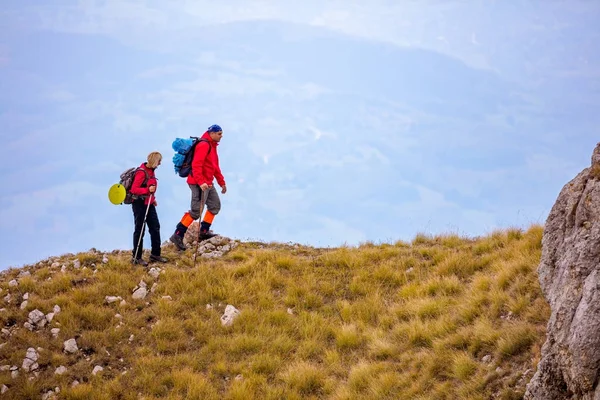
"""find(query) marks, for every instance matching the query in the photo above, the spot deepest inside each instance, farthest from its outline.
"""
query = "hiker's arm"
(219, 176)
(198, 161)
(136, 185)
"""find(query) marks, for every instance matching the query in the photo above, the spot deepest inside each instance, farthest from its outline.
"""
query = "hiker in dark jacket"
(144, 187)
(205, 168)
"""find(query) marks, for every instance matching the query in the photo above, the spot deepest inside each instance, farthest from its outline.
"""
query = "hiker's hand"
(204, 186)
(152, 189)
(154, 203)
(223, 189)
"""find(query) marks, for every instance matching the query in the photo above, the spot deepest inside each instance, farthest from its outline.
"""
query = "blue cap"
(214, 128)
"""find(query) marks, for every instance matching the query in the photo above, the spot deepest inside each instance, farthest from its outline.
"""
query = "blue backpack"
(184, 154)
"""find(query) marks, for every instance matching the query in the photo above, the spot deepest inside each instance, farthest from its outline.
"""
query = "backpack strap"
(145, 182)
(209, 146)
(194, 148)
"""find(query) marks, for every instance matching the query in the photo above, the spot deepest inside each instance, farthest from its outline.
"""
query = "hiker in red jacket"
(205, 168)
(144, 188)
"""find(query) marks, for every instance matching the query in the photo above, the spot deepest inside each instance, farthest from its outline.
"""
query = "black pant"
(139, 209)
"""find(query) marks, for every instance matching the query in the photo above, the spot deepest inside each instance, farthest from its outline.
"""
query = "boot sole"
(202, 239)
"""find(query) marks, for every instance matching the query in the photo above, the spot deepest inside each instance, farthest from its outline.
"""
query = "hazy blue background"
(343, 121)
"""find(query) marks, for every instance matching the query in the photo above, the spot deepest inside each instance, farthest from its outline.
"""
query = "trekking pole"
(203, 196)
(143, 227)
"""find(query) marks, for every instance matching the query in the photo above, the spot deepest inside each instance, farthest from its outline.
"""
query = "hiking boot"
(139, 261)
(206, 235)
(158, 258)
(178, 241)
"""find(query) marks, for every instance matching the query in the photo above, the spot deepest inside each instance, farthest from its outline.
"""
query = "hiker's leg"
(139, 209)
(195, 202)
(213, 202)
(154, 230)
(191, 215)
(213, 206)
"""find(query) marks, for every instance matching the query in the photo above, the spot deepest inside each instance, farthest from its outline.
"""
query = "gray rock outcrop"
(569, 275)
(214, 247)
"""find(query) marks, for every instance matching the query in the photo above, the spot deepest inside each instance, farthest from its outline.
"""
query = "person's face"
(216, 136)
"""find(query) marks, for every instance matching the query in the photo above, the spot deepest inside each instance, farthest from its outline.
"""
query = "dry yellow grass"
(390, 321)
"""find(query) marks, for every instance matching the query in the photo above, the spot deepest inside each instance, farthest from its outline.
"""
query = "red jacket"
(136, 186)
(205, 168)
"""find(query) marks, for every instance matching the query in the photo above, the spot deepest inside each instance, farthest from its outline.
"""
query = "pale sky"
(344, 121)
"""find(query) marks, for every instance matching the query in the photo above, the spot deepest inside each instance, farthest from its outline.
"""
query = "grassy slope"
(398, 321)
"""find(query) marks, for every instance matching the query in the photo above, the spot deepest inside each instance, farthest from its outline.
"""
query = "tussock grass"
(407, 320)
(304, 379)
